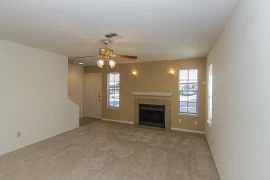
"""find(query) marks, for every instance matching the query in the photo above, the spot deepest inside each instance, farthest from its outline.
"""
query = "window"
(113, 85)
(188, 91)
(210, 92)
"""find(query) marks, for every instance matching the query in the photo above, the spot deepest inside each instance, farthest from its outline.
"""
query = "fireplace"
(155, 101)
(152, 115)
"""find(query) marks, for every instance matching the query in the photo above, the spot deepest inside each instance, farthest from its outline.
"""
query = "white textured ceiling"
(150, 29)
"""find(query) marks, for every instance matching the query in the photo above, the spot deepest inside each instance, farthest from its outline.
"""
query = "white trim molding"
(186, 130)
(118, 121)
(209, 122)
(152, 94)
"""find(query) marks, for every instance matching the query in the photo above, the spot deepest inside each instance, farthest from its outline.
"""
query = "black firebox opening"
(152, 115)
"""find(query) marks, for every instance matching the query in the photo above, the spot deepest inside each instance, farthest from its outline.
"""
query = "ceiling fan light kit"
(112, 63)
(100, 63)
(107, 54)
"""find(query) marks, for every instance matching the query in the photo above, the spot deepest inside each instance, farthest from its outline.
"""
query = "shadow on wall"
(75, 85)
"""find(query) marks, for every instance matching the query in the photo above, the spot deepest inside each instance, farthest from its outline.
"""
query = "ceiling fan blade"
(125, 56)
(84, 57)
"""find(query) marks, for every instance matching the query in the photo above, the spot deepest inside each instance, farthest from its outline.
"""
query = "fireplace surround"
(155, 100)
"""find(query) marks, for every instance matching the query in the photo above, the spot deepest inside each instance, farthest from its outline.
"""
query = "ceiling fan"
(106, 55)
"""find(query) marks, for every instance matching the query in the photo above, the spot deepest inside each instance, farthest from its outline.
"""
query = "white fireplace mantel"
(166, 94)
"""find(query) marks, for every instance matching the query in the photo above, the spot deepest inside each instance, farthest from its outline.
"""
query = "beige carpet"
(108, 151)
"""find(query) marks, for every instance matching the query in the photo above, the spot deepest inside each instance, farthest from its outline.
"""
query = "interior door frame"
(101, 97)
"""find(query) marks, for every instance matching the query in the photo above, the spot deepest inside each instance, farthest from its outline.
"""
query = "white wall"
(240, 135)
(33, 98)
(75, 85)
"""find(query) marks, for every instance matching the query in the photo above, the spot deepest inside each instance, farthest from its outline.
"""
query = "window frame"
(197, 100)
(210, 97)
(108, 88)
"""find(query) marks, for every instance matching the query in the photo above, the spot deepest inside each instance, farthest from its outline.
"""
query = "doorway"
(93, 95)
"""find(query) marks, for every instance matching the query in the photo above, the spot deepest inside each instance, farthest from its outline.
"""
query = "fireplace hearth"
(152, 115)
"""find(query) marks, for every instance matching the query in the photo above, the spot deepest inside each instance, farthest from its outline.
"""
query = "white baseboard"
(119, 121)
(186, 130)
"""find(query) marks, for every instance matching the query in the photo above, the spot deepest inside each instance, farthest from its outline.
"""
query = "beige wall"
(75, 84)
(34, 96)
(153, 77)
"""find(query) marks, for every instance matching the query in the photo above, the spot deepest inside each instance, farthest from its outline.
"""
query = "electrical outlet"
(19, 134)
(179, 120)
(195, 123)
